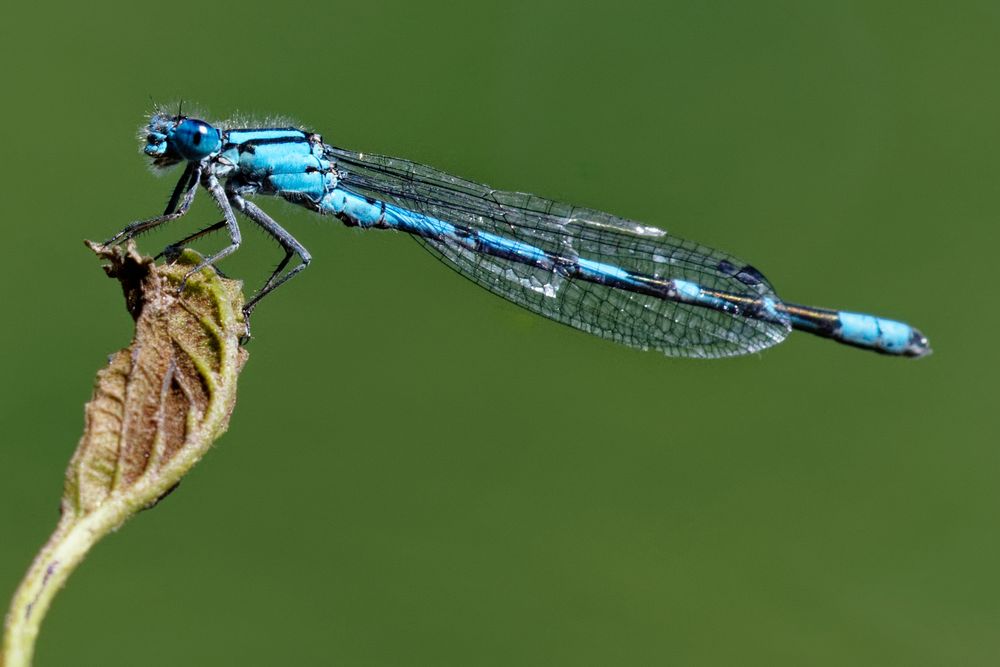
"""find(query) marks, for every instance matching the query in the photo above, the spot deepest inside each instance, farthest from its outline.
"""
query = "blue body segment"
(609, 276)
(239, 137)
(874, 332)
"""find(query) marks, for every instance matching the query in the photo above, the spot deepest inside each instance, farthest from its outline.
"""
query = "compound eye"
(195, 139)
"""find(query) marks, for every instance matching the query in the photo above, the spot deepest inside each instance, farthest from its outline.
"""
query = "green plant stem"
(72, 539)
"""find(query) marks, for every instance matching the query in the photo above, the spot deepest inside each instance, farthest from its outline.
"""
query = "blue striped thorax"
(284, 162)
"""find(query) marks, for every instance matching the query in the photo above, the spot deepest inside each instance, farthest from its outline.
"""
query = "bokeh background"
(419, 473)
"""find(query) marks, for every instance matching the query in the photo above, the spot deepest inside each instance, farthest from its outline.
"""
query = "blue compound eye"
(195, 139)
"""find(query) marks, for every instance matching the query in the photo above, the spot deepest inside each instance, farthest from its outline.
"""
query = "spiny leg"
(186, 188)
(235, 238)
(173, 251)
(284, 239)
(193, 172)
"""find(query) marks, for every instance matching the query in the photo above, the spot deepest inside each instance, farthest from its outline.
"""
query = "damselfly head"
(174, 139)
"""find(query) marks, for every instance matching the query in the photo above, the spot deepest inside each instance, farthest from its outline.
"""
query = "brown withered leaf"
(157, 408)
(161, 402)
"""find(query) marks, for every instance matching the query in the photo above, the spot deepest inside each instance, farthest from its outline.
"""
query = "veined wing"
(571, 232)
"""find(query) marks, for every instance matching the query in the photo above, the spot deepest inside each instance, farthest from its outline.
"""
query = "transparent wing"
(631, 318)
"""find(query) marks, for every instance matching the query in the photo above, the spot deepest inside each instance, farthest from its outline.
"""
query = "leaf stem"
(72, 539)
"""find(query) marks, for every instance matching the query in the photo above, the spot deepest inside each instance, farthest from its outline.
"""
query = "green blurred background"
(419, 473)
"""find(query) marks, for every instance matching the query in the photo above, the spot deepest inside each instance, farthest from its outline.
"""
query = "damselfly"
(618, 279)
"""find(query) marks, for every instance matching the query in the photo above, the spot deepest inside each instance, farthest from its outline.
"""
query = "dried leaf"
(160, 403)
(156, 409)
